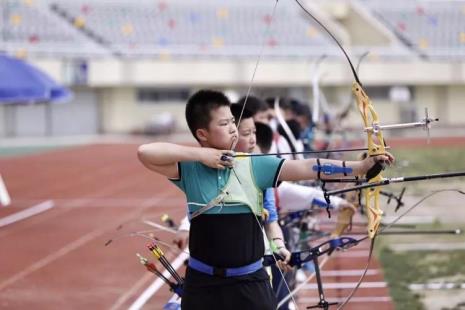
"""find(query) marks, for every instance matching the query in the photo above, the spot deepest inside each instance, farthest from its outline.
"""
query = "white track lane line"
(345, 285)
(348, 272)
(161, 227)
(355, 299)
(72, 246)
(50, 258)
(139, 285)
(5, 199)
(21, 215)
(158, 283)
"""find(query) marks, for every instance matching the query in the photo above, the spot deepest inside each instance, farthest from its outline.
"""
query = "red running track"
(57, 259)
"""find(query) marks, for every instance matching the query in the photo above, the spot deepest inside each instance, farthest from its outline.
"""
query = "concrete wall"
(271, 72)
(122, 113)
(284, 73)
(438, 86)
(81, 116)
(456, 102)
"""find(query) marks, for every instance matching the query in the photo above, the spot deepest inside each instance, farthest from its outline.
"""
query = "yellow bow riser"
(371, 119)
(372, 208)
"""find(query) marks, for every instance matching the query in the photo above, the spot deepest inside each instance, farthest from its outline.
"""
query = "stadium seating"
(216, 28)
(185, 27)
(432, 28)
(30, 27)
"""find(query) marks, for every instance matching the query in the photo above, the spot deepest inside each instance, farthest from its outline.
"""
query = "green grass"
(399, 272)
(423, 161)
(402, 269)
(428, 160)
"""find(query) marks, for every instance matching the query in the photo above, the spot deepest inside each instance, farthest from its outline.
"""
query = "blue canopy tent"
(24, 84)
(21, 82)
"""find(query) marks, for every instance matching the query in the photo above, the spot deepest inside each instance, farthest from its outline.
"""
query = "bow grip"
(375, 170)
(270, 259)
(226, 157)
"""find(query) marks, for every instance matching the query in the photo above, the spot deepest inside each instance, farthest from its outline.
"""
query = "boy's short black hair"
(236, 111)
(303, 110)
(270, 102)
(283, 103)
(200, 105)
(254, 104)
(264, 137)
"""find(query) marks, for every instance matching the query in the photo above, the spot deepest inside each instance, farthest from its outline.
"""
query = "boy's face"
(221, 132)
(247, 136)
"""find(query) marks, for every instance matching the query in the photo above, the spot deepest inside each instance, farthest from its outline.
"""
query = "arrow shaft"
(414, 232)
(395, 180)
(360, 149)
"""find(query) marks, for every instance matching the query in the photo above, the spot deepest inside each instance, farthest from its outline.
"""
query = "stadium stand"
(171, 47)
(229, 28)
(434, 29)
(30, 27)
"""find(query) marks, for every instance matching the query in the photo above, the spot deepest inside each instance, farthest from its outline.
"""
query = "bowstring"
(262, 49)
(249, 89)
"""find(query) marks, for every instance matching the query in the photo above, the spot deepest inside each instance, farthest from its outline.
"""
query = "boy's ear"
(202, 134)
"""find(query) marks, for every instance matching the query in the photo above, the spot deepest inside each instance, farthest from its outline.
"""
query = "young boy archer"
(247, 143)
(226, 241)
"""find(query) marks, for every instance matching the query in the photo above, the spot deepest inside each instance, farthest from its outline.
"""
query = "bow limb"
(368, 113)
(319, 98)
(350, 102)
(366, 110)
(344, 220)
(286, 128)
(316, 90)
(345, 215)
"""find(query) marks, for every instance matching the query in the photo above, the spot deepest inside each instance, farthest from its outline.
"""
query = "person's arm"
(269, 204)
(275, 235)
(297, 170)
(163, 157)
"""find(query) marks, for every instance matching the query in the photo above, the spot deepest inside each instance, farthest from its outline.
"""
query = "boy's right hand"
(217, 159)
(286, 257)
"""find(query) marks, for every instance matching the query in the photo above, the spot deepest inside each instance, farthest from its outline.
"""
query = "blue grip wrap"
(329, 169)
